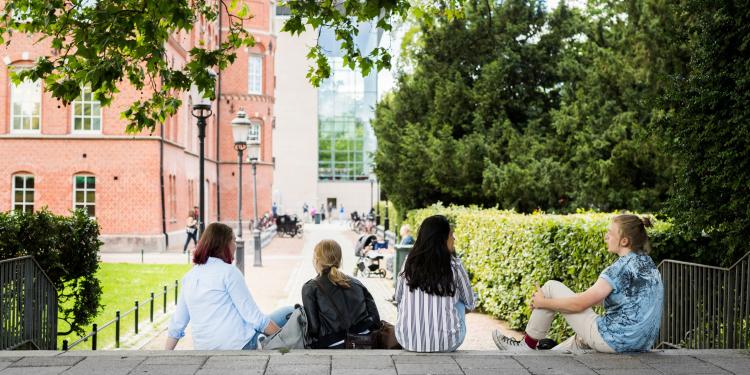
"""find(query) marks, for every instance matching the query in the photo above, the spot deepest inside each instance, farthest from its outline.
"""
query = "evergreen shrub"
(66, 248)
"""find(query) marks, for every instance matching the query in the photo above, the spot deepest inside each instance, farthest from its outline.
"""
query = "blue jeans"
(461, 310)
(279, 316)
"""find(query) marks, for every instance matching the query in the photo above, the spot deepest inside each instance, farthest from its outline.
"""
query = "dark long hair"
(428, 266)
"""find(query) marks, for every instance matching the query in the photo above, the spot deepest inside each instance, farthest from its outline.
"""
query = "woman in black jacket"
(336, 303)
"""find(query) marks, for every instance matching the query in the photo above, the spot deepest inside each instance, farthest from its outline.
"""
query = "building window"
(26, 106)
(23, 193)
(87, 112)
(345, 103)
(255, 75)
(253, 135)
(84, 194)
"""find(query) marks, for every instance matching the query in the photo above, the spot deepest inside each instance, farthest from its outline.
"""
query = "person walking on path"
(191, 228)
(336, 304)
(630, 289)
(433, 292)
(215, 298)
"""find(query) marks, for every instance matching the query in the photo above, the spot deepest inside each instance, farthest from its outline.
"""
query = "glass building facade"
(346, 104)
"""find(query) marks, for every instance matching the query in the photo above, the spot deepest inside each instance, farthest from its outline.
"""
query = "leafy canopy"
(102, 43)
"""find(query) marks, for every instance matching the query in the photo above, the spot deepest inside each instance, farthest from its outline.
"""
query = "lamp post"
(253, 153)
(377, 206)
(372, 181)
(240, 129)
(386, 216)
(202, 110)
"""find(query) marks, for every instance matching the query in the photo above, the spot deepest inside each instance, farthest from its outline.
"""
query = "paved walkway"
(371, 362)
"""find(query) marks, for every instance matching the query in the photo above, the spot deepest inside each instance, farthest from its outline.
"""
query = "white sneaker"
(508, 343)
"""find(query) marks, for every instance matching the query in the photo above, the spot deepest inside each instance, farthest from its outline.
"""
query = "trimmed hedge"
(507, 253)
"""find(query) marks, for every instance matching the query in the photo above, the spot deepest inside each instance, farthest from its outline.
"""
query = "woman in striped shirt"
(433, 292)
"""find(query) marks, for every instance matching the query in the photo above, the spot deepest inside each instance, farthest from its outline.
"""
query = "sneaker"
(508, 343)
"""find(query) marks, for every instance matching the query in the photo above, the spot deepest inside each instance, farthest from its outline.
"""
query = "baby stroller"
(368, 261)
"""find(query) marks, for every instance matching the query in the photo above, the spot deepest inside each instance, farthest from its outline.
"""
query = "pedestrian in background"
(191, 228)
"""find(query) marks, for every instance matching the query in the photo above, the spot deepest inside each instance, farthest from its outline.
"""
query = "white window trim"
(260, 82)
(13, 130)
(13, 191)
(73, 118)
(86, 189)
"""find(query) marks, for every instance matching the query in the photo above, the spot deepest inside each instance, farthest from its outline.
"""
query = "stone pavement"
(371, 362)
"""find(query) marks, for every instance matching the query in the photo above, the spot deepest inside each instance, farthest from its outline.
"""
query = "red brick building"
(139, 187)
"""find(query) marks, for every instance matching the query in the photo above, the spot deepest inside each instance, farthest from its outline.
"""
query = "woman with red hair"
(216, 299)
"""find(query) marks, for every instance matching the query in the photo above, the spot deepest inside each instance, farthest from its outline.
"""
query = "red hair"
(215, 242)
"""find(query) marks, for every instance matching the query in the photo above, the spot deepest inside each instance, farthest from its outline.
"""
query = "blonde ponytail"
(327, 257)
(338, 278)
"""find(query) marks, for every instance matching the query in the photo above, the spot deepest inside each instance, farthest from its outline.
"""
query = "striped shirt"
(430, 323)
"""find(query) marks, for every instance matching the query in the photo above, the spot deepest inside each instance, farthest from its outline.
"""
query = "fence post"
(729, 309)
(28, 320)
(65, 345)
(136, 317)
(176, 285)
(93, 338)
(165, 299)
(141, 256)
(117, 329)
(151, 311)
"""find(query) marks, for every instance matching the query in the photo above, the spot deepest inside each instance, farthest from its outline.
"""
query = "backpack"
(293, 335)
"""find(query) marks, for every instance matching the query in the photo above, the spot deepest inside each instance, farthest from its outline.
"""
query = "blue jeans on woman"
(461, 310)
(279, 316)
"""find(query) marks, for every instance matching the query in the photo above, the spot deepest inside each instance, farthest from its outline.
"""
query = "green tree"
(545, 110)
(707, 124)
(102, 43)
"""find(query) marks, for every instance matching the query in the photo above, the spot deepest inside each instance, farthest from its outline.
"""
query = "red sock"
(530, 341)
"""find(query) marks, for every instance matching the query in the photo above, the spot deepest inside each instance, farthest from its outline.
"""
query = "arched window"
(84, 193)
(26, 106)
(23, 192)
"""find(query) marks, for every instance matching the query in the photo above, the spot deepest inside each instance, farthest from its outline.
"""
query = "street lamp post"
(253, 153)
(377, 206)
(202, 111)
(240, 129)
(386, 217)
(372, 181)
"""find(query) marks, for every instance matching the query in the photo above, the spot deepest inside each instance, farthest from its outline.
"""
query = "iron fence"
(96, 329)
(28, 306)
(705, 307)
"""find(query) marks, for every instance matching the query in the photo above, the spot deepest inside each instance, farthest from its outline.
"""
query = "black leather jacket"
(325, 327)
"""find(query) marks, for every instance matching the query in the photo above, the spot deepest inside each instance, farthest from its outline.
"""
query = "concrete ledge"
(372, 362)
(358, 353)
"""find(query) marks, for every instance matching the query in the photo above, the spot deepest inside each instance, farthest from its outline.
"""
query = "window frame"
(25, 189)
(12, 111)
(250, 89)
(83, 103)
(85, 190)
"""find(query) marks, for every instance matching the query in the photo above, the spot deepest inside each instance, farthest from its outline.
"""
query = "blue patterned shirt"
(633, 308)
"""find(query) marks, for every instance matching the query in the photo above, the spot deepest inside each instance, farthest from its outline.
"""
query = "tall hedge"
(507, 253)
(66, 247)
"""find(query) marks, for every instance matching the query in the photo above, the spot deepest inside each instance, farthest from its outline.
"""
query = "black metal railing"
(705, 307)
(28, 306)
(95, 329)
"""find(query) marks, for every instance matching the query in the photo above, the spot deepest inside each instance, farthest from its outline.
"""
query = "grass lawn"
(123, 284)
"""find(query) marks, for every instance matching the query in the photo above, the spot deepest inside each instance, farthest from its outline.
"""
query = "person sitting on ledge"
(216, 299)
(630, 289)
(433, 292)
(334, 302)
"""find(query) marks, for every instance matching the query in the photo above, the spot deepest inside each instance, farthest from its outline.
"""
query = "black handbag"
(351, 340)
